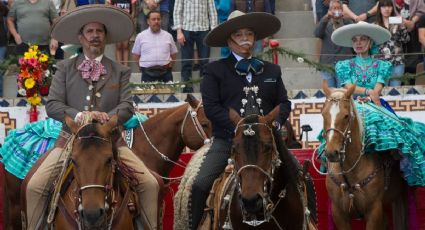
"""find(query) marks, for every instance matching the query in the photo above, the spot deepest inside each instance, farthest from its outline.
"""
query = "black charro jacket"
(222, 88)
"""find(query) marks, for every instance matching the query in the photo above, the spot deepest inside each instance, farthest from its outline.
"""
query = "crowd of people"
(182, 22)
(404, 19)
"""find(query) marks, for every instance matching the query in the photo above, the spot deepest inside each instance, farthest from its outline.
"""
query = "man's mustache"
(245, 43)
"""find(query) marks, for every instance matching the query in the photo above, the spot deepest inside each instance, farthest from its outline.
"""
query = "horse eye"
(204, 125)
(109, 160)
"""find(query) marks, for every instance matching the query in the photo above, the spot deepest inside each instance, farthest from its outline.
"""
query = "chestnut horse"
(268, 192)
(98, 196)
(158, 142)
(358, 184)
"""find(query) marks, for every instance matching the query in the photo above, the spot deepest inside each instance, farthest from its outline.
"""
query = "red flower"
(44, 90)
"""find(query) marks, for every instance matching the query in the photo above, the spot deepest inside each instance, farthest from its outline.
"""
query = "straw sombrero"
(343, 36)
(118, 23)
(263, 24)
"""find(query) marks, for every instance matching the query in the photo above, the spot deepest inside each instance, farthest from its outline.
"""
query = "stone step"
(307, 46)
(296, 24)
(301, 78)
(293, 5)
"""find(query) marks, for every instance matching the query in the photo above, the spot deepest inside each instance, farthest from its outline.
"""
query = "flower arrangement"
(34, 75)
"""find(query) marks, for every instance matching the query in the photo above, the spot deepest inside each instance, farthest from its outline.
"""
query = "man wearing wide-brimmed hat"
(90, 87)
(223, 86)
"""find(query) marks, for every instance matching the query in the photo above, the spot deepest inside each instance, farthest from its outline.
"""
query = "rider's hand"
(101, 117)
(374, 96)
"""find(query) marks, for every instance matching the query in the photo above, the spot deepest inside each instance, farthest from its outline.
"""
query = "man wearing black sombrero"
(90, 87)
(223, 86)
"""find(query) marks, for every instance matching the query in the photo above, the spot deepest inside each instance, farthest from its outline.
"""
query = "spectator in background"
(155, 51)
(421, 34)
(363, 10)
(249, 6)
(122, 49)
(223, 10)
(3, 41)
(392, 50)
(330, 52)
(322, 8)
(33, 19)
(411, 11)
(193, 20)
(157, 5)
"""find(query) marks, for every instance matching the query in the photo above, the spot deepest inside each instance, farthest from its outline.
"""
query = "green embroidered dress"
(383, 129)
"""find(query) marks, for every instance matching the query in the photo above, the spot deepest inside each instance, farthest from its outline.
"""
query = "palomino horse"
(158, 142)
(266, 191)
(358, 184)
(98, 196)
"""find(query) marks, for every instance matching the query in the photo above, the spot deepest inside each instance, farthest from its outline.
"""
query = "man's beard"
(95, 50)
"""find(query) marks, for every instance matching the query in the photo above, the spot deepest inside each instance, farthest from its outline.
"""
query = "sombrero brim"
(263, 24)
(118, 23)
(343, 36)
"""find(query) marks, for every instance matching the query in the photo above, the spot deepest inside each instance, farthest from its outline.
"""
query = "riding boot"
(212, 167)
(147, 189)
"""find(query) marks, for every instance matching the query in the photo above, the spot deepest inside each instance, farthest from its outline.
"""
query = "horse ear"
(234, 116)
(106, 129)
(326, 88)
(350, 91)
(193, 102)
(72, 125)
(270, 117)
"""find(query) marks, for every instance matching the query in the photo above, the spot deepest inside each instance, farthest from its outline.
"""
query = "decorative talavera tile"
(319, 94)
(300, 95)
(392, 92)
(412, 91)
(20, 102)
(172, 98)
(4, 103)
(154, 99)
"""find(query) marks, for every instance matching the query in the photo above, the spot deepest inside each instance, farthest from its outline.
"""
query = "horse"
(358, 184)
(268, 188)
(96, 192)
(158, 142)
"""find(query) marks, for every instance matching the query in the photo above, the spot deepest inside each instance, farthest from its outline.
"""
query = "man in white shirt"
(155, 51)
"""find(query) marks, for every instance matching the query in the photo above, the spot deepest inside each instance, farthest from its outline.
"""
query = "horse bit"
(268, 205)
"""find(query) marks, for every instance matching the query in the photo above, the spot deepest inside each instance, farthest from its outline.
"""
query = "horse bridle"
(198, 127)
(108, 187)
(268, 205)
(346, 134)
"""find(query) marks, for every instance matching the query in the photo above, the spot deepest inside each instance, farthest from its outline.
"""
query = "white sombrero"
(343, 36)
(263, 24)
(118, 23)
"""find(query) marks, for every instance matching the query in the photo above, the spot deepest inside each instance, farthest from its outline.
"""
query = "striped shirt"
(195, 15)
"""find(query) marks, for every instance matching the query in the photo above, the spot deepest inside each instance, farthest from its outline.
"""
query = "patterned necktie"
(253, 65)
(91, 69)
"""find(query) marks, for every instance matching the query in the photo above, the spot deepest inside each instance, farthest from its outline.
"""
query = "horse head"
(338, 116)
(256, 158)
(93, 158)
(196, 129)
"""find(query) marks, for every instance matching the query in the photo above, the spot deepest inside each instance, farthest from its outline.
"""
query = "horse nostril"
(254, 204)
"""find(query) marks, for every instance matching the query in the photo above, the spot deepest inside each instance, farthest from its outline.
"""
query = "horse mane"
(338, 94)
(290, 166)
(166, 113)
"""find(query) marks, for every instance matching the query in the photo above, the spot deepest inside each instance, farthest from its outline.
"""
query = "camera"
(337, 14)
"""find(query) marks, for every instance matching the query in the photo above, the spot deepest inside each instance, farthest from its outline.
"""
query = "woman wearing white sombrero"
(384, 129)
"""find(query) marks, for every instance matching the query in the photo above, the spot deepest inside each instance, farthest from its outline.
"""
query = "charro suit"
(71, 94)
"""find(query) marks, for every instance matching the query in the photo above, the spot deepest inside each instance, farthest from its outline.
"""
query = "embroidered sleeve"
(343, 72)
(385, 70)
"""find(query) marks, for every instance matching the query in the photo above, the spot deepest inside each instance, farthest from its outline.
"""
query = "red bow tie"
(91, 69)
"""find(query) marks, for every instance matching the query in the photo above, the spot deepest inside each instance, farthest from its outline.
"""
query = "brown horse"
(158, 142)
(358, 184)
(267, 191)
(97, 197)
